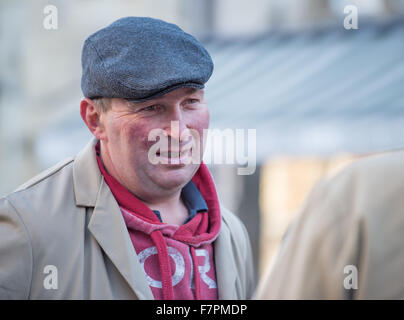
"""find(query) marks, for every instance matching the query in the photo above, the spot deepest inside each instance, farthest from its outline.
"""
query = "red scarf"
(201, 230)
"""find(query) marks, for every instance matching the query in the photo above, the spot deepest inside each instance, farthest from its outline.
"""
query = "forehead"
(178, 94)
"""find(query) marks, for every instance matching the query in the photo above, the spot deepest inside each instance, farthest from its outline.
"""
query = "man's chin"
(172, 176)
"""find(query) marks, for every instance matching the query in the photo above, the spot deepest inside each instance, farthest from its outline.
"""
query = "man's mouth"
(172, 154)
(175, 157)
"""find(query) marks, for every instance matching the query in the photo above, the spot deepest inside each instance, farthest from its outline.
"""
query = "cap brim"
(167, 90)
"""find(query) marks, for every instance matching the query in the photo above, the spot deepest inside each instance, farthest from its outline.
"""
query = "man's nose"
(176, 126)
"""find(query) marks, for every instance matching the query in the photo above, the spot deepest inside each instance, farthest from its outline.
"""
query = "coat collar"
(109, 229)
(86, 176)
(225, 265)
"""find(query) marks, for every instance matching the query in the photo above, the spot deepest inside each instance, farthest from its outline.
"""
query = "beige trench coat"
(62, 236)
(348, 240)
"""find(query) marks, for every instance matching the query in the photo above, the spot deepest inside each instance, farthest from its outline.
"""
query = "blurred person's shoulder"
(378, 175)
(357, 191)
(375, 166)
(368, 186)
(353, 218)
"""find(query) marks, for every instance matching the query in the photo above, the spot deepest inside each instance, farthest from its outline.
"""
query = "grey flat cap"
(137, 59)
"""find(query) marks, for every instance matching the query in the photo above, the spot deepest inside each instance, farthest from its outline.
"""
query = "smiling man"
(111, 223)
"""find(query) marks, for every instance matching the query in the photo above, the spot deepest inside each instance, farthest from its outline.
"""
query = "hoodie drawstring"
(197, 277)
(165, 267)
(164, 262)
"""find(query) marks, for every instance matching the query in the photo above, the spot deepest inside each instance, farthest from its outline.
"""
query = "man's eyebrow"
(137, 105)
(191, 90)
(195, 90)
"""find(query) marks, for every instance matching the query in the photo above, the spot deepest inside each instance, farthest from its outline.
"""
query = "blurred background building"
(317, 95)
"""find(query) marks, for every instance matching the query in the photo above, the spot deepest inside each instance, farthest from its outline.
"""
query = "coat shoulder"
(242, 252)
(237, 229)
(44, 174)
(45, 196)
(233, 222)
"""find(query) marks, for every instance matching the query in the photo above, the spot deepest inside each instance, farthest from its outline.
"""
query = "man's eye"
(154, 107)
(192, 101)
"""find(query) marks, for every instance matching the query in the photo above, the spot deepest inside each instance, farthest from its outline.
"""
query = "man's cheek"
(138, 134)
(200, 127)
(203, 125)
(200, 120)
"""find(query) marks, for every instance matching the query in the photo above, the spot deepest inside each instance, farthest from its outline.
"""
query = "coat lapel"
(226, 272)
(106, 223)
(109, 229)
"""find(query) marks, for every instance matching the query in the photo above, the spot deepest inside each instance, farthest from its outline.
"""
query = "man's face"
(125, 144)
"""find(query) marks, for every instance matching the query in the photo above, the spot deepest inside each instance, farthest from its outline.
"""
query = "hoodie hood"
(200, 231)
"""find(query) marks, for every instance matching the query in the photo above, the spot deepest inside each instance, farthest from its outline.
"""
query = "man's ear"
(92, 117)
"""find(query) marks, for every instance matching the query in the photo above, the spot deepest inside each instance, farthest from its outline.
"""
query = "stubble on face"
(127, 145)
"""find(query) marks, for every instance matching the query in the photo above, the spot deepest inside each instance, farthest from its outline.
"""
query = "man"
(112, 223)
(347, 242)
